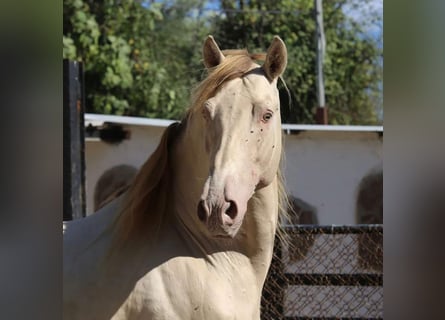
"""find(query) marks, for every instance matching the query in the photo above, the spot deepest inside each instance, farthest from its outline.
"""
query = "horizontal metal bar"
(335, 229)
(315, 279)
(318, 127)
(99, 119)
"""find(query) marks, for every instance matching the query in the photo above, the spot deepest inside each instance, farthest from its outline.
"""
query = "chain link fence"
(326, 272)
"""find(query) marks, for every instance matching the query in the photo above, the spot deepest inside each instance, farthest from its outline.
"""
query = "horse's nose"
(203, 211)
(225, 212)
(229, 213)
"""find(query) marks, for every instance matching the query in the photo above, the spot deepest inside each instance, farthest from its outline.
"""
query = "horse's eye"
(267, 116)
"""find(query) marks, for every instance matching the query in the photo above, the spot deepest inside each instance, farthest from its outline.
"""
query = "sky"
(360, 13)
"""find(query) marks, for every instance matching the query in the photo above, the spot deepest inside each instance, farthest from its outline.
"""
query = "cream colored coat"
(208, 255)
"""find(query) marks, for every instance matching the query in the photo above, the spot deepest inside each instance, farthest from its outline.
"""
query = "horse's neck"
(260, 226)
(188, 178)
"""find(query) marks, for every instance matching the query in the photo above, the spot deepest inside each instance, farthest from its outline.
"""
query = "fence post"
(272, 300)
(321, 116)
(73, 141)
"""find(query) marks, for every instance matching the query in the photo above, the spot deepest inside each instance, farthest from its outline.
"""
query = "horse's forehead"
(259, 87)
(254, 87)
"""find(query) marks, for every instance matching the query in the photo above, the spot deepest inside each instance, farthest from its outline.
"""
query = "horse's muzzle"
(219, 216)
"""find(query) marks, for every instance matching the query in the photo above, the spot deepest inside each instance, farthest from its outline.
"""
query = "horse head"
(242, 132)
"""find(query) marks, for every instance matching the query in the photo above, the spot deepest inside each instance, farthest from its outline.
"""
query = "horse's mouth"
(223, 236)
(224, 233)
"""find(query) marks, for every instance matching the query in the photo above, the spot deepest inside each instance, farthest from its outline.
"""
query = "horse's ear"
(211, 53)
(276, 59)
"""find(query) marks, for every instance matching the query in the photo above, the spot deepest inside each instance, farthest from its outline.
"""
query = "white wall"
(100, 156)
(322, 168)
(325, 168)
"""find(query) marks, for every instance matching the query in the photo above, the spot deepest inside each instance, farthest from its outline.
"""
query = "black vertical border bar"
(73, 141)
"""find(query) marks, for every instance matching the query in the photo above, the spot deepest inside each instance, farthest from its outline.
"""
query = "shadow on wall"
(301, 212)
(112, 183)
(369, 210)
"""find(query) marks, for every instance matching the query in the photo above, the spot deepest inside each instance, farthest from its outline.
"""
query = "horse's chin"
(224, 232)
(229, 234)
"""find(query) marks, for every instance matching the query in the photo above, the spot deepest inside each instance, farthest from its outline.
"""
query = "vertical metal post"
(73, 141)
(272, 300)
(321, 116)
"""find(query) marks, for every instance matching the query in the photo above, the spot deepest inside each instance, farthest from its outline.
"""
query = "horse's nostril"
(202, 212)
(232, 210)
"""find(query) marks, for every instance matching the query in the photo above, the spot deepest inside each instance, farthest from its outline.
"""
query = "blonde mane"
(145, 205)
(146, 199)
(236, 64)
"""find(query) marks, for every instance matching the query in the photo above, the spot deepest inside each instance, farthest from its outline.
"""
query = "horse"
(193, 236)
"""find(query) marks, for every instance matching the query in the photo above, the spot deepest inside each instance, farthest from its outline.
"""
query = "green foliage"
(352, 69)
(136, 61)
(143, 57)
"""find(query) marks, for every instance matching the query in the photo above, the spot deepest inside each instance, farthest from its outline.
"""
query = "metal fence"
(326, 272)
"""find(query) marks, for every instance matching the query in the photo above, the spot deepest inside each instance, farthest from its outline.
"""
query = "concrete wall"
(100, 156)
(323, 168)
